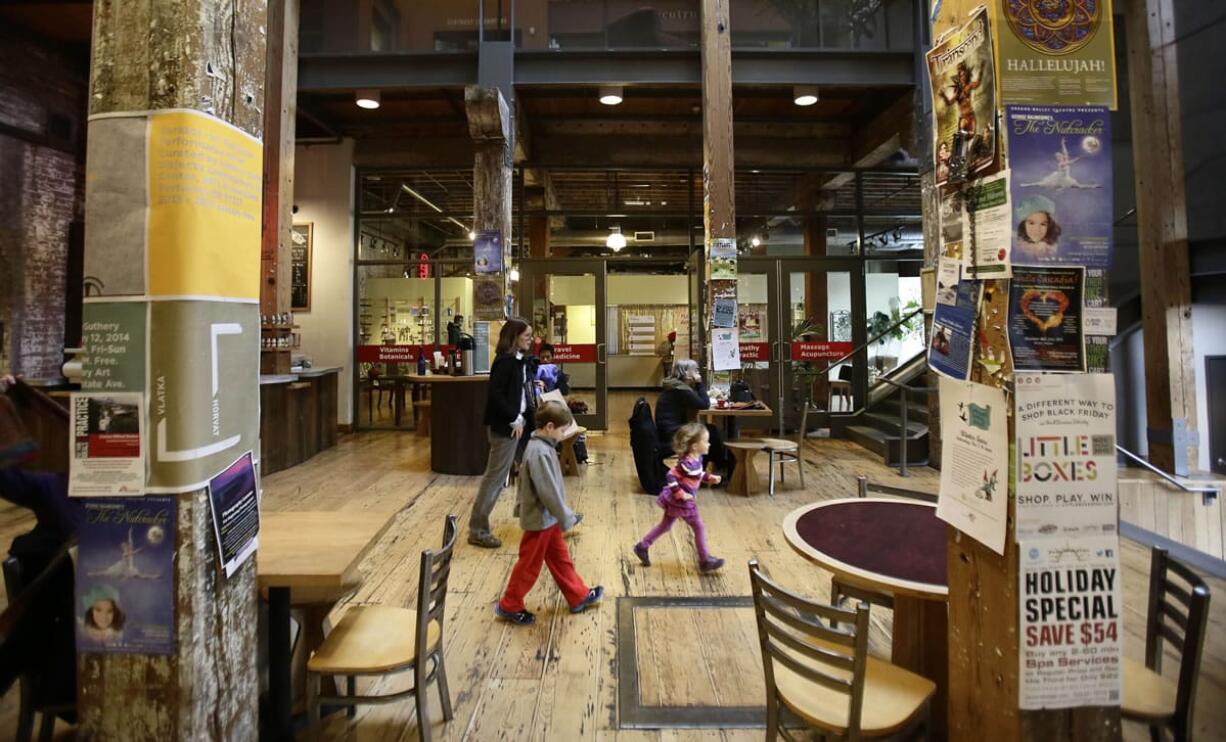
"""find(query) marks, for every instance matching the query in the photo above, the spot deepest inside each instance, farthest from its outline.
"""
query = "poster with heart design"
(1045, 307)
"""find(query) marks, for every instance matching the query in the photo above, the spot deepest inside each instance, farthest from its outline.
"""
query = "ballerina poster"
(1062, 196)
(963, 81)
(125, 598)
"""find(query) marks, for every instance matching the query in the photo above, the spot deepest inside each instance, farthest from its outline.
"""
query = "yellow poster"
(204, 207)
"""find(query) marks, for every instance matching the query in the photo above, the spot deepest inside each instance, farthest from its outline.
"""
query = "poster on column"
(723, 313)
(1057, 52)
(723, 259)
(1069, 624)
(488, 298)
(173, 204)
(974, 461)
(125, 577)
(1062, 189)
(487, 252)
(953, 332)
(1066, 472)
(107, 448)
(1045, 319)
(202, 397)
(725, 350)
(963, 88)
(113, 335)
(235, 504)
(987, 230)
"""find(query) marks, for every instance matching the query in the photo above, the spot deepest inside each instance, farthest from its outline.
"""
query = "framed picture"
(302, 239)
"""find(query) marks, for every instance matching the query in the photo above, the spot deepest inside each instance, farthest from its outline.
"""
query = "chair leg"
(419, 688)
(772, 717)
(46, 728)
(25, 717)
(800, 465)
(351, 690)
(443, 693)
(770, 477)
(312, 703)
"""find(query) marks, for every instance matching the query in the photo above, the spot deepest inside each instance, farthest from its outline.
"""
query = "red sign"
(423, 268)
(819, 351)
(755, 352)
(113, 445)
(387, 353)
(574, 354)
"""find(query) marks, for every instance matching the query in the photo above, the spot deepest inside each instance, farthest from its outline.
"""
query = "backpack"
(648, 462)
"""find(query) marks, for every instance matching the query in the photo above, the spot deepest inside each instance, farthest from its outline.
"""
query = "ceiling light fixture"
(368, 99)
(610, 95)
(513, 274)
(755, 241)
(804, 95)
(616, 240)
(472, 235)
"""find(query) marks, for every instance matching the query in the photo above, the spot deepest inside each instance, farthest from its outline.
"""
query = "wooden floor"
(557, 680)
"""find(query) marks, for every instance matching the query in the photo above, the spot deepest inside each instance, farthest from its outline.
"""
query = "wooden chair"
(380, 640)
(840, 387)
(840, 590)
(781, 451)
(1178, 613)
(824, 675)
(30, 703)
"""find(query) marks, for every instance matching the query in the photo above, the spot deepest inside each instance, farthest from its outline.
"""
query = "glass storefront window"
(892, 291)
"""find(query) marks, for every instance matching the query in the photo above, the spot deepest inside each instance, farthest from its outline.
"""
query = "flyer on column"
(725, 350)
(1045, 318)
(235, 502)
(125, 597)
(963, 87)
(987, 235)
(953, 332)
(1069, 601)
(1066, 472)
(107, 455)
(723, 258)
(974, 461)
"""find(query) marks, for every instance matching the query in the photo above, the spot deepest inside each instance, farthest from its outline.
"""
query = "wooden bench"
(570, 462)
(745, 479)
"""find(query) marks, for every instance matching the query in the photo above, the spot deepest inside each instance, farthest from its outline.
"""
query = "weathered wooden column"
(489, 124)
(718, 182)
(1162, 229)
(281, 96)
(173, 238)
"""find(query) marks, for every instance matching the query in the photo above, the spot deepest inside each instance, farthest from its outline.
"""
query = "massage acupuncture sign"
(974, 461)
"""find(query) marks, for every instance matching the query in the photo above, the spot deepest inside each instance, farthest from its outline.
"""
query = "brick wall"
(43, 93)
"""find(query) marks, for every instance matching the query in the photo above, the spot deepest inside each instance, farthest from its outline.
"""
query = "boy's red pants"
(548, 547)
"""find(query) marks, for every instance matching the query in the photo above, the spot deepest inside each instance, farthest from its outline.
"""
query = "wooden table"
(458, 442)
(744, 479)
(568, 459)
(305, 551)
(896, 547)
(729, 414)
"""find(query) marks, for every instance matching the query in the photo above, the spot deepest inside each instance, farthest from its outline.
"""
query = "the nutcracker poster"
(963, 81)
(1061, 187)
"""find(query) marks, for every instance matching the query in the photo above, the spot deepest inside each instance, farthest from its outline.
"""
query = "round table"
(890, 546)
(458, 441)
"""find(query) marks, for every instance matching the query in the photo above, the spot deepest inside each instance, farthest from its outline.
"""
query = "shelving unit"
(278, 341)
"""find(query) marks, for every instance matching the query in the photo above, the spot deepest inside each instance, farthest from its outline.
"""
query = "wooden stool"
(744, 475)
(570, 463)
(423, 417)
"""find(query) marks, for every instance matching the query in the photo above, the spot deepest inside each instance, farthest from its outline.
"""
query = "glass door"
(565, 301)
(759, 330)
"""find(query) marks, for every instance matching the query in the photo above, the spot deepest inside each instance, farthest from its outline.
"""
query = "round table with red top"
(890, 546)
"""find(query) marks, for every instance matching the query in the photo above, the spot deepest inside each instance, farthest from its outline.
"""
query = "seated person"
(683, 395)
(548, 374)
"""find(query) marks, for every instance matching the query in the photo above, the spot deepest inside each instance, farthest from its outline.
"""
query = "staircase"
(879, 427)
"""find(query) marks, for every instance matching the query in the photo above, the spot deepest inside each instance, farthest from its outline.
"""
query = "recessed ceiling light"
(804, 95)
(367, 99)
(755, 241)
(616, 240)
(610, 95)
(472, 235)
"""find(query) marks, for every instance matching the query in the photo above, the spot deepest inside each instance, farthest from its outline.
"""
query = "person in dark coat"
(509, 405)
(683, 395)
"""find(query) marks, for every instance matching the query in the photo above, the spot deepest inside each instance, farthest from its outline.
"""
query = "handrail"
(1208, 494)
(903, 433)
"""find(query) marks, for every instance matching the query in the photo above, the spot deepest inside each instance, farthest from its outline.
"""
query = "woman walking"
(509, 407)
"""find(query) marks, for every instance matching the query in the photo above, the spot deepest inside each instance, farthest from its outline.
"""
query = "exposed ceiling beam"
(891, 130)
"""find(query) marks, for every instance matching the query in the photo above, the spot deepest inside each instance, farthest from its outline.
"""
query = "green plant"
(886, 327)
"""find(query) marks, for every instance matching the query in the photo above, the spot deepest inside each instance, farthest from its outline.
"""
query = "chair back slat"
(432, 584)
(1180, 616)
(790, 635)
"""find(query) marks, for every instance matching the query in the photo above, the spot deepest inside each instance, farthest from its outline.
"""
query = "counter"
(458, 442)
(297, 416)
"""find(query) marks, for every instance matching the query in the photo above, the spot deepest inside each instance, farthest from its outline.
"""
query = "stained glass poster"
(1057, 52)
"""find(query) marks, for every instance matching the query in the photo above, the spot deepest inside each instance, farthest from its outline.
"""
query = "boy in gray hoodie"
(544, 515)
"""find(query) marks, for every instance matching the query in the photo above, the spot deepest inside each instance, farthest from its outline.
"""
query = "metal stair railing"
(1208, 494)
(903, 433)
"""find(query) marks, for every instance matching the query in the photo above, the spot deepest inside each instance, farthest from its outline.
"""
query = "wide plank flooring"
(557, 680)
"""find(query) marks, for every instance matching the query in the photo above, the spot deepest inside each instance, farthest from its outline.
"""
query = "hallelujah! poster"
(1057, 52)
(963, 80)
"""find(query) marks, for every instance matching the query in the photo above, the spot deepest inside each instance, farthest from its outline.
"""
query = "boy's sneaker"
(523, 618)
(640, 551)
(593, 597)
(710, 564)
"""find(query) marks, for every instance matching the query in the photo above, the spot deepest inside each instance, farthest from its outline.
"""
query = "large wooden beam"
(490, 126)
(1162, 226)
(891, 130)
(718, 164)
(281, 95)
(207, 56)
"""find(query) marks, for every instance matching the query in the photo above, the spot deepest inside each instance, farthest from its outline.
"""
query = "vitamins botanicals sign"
(1066, 472)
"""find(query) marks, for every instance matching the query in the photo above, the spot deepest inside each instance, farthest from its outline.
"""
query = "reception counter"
(458, 442)
(297, 416)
